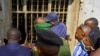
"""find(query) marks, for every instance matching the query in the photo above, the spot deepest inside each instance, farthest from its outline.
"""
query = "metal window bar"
(49, 5)
(31, 29)
(17, 21)
(37, 6)
(20, 5)
(17, 16)
(26, 28)
(55, 6)
(59, 9)
(43, 6)
(59, 5)
(64, 11)
(17, 5)
(34, 12)
(31, 4)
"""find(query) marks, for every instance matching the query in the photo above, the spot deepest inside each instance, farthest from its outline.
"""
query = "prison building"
(21, 14)
(25, 11)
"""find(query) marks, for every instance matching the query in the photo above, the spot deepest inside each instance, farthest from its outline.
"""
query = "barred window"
(25, 11)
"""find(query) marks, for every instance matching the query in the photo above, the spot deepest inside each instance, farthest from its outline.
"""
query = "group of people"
(51, 36)
(88, 36)
(52, 39)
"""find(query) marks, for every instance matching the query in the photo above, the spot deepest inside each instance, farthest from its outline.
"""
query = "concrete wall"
(5, 17)
(0, 23)
(0, 11)
(89, 8)
(78, 12)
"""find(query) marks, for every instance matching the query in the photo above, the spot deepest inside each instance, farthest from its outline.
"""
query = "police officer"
(12, 48)
(59, 29)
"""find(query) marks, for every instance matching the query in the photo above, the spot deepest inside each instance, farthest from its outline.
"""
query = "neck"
(12, 41)
(53, 23)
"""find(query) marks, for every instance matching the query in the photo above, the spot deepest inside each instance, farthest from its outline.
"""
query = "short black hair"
(84, 28)
(94, 21)
(13, 34)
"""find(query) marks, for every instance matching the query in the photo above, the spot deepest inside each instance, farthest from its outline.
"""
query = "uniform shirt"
(78, 51)
(59, 29)
(14, 49)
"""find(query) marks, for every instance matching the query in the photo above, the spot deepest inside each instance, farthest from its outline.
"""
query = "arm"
(68, 38)
(60, 30)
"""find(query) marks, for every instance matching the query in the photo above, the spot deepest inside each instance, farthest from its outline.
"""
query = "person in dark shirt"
(97, 51)
(47, 41)
(58, 28)
(95, 33)
(12, 48)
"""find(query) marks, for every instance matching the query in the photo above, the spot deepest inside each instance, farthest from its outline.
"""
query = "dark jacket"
(94, 36)
(46, 36)
(14, 49)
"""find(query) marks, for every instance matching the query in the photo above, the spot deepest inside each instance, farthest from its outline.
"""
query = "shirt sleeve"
(60, 30)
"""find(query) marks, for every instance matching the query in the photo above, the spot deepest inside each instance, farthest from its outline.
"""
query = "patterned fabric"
(78, 51)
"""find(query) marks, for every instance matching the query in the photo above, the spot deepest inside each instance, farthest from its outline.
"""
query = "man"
(97, 52)
(12, 48)
(95, 33)
(59, 29)
(47, 41)
(84, 44)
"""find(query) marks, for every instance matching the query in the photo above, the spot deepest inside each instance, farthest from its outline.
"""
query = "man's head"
(82, 35)
(92, 22)
(13, 35)
(39, 20)
(52, 18)
(86, 29)
(82, 31)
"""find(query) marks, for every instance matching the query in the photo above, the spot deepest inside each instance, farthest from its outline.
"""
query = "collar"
(42, 26)
(57, 23)
(12, 45)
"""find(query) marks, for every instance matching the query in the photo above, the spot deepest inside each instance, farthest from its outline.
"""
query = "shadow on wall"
(71, 1)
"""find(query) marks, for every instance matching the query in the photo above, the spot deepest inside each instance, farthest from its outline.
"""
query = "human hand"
(69, 39)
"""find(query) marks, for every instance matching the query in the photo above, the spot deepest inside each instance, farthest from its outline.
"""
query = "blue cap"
(51, 16)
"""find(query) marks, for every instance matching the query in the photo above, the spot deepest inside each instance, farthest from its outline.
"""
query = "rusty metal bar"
(32, 5)
(25, 8)
(59, 9)
(37, 5)
(64, 11)
(17, 21)
(31, 29)
(55, 6)
(49, 5)
(17, 15)
(37, 12)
